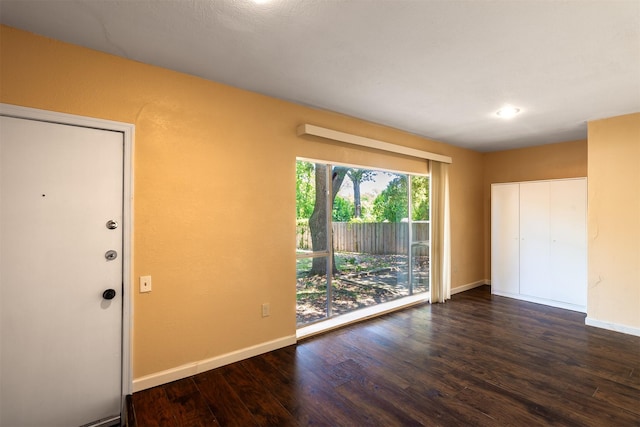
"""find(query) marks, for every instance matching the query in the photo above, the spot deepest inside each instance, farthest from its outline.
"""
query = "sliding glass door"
(313, 257)
(362, 238)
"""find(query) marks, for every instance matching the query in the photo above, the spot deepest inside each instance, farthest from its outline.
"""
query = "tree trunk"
(356, 199)
(318, 219)
(357, 177)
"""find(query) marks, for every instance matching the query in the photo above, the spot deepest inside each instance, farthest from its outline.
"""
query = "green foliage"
(359, 221)
(391, 203)
(358, 176)
(366, 210)
(420, 198)
(342, 210)
(305, 189)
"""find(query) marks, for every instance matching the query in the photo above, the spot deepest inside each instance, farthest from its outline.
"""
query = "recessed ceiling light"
(507, 112)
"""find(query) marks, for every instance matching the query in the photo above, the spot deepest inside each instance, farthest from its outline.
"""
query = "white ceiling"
(439, 69)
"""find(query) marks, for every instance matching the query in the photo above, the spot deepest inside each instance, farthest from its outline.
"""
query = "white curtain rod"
(307, 129)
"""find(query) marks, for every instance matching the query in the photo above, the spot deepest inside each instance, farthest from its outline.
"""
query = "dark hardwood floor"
(476, 360)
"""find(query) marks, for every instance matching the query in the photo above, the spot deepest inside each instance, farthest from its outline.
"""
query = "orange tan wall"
(614, 222)
(214, 203)
(551, 161)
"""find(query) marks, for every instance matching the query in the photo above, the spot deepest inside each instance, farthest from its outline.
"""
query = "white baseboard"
(189, 369)
(543, 301)
(469, 286)
(589, 321)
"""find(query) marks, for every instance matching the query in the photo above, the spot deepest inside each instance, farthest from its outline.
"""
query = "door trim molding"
(128, 132)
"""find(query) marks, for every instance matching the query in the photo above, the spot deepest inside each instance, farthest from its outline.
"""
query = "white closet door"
(568, 260)
(505, 264)
(534, 240)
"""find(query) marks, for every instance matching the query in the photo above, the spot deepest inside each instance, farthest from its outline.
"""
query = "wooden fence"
(376, 238)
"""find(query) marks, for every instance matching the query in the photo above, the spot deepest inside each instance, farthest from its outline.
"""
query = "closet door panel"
(534, 240)
(568, 247)
(505, 259)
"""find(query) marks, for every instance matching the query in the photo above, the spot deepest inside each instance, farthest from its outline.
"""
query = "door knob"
(112, 225)
(109, 294)
(111, 255)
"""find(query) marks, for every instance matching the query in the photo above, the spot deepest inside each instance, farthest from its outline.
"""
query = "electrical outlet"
(145, 283)
(266, 310)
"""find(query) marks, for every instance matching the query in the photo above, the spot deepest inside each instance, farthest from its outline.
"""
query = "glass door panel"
(311, 291)
(370, 244)
(312, 242)
(420, 234)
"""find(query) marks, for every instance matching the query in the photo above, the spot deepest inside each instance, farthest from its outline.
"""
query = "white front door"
(61, 333)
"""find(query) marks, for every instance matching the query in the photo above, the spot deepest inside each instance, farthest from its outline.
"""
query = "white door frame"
(128, 131)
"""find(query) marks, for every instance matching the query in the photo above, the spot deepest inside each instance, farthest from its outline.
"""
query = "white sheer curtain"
(440, 233)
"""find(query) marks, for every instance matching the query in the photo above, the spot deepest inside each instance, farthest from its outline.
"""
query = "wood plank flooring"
(478, 360)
